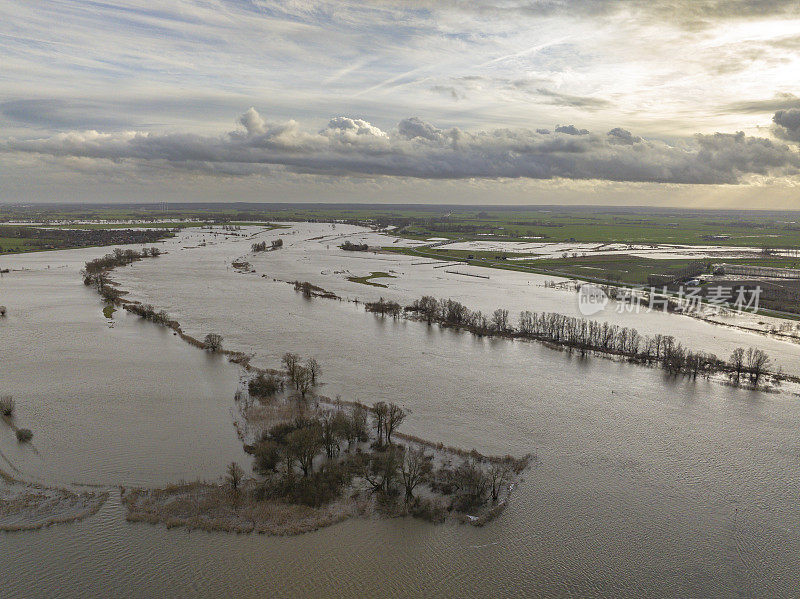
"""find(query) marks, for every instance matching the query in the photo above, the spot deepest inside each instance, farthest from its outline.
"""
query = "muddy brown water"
(646, 485)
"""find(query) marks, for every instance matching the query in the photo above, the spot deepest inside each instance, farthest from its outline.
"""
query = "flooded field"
(311, 254)
(646, 485)
(655, 251)
(117, 401)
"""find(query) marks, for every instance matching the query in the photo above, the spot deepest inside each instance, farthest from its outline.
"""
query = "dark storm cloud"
(355, 147)
(571, 130)
(622, 136)
(786, 124)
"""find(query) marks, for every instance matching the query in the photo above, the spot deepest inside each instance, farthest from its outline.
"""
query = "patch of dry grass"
(29, 507)
(211, 507)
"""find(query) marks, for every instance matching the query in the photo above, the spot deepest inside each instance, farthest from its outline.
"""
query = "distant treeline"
(48, 239)
(95, 271)
(118, 257)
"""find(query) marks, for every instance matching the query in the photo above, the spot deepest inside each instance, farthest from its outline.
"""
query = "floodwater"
(645, 485)
(308, 257)
(128, 404)
(558, 249)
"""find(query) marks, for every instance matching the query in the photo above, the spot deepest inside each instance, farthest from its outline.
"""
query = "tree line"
(584, 335)
(95, 272)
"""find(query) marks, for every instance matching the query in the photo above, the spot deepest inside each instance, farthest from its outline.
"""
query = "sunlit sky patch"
(460, 101)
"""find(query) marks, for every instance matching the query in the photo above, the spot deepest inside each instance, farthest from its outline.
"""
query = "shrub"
(110, 293)
(319, 487)
(264, 385)
(213, 342)
(431, 510)
(24, 435)
(354, 247)
(234, 476)
(268, 456)
(7, 405)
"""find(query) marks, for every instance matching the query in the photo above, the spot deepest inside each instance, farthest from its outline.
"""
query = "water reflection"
(647, 485)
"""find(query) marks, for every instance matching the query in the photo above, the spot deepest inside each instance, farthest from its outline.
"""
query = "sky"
(636, 102)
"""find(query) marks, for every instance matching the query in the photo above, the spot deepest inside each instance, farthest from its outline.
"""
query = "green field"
(12, 245)
(546, 223)
(614, 268)
(542, 223)
(367, 279)
(697, 229)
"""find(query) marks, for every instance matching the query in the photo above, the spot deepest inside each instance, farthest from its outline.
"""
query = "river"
(645, 485)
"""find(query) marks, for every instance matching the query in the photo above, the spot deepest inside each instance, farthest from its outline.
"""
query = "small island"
(318, 461)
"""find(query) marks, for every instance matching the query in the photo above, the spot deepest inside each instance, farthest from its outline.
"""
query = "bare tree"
(499, 473)
(500, 320)
(381, 469)
(334, 430)
(235, 475)
(472, 483)
(428, 307)
(394, 418)
(415, 469)
(357, 427)
(304, 444)
(757, 364)
(291, 362)
(379, 413)
(302, 380)
(314, 370)
(213, 342)
(526, 322)
(267, 457)
(737, 362)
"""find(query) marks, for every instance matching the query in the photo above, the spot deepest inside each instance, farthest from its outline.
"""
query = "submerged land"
(202, 414)
(319, 460)
(609, 245)
(316, 460)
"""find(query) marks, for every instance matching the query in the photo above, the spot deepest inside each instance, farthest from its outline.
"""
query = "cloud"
(681, 11)
(587, 102)
(571, 130)
(787, 124)
(449, 91)
(417, 149)
(780, 101)
(344, 128)
(622, 136)
(416, 127)
(253, 122)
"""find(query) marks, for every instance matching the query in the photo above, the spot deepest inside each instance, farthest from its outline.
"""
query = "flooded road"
(646, 485)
